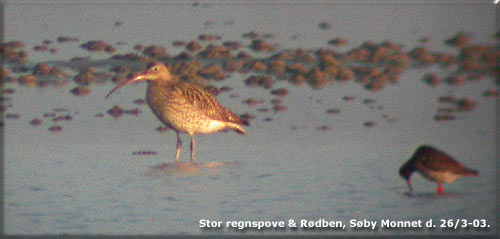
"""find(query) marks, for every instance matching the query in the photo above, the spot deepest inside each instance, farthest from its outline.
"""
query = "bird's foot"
(440, 190)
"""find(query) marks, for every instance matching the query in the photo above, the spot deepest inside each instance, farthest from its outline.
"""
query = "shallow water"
(86, 180)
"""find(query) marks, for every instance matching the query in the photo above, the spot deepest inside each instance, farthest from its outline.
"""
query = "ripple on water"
(13, 205)
(78, 226)
(68, 216)
(172, 199)
(33, 214)
(168, 209)
(36, 221)
(182, 169)
(265, 175)
(134, 220)
(35, 188)
(121, 206)
(229, 213)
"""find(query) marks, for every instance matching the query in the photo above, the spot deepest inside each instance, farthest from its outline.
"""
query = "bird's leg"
(409, 185)
(439, 188)
(179, 148)
(192, 146)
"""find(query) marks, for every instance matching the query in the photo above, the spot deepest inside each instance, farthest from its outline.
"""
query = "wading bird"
(183, 107)
(434, 165)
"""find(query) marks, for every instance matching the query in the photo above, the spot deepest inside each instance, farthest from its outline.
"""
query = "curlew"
(183, 107)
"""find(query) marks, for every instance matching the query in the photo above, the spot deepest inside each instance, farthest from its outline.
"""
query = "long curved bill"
(138, 78)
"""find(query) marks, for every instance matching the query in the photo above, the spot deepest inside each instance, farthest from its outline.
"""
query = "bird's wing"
(205, 102)
(442, 162)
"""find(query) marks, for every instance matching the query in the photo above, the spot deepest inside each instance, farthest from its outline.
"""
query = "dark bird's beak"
(409, 185)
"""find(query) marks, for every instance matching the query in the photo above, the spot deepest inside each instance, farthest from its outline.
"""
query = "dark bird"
(434, 165)
(183, 107)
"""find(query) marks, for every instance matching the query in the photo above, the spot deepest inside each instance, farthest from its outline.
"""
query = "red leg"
(439, 188)
(409, 185)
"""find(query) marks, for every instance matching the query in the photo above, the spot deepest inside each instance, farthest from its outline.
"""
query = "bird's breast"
(439, 176)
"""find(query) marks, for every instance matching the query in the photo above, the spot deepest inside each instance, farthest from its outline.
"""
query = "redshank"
(434, 165)
(183, 107)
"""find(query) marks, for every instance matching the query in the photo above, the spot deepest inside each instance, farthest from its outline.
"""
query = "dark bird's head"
(154, 72)
(406, 171)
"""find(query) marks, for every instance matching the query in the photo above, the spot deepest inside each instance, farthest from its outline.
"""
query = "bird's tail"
(236, 128)
(471, 173)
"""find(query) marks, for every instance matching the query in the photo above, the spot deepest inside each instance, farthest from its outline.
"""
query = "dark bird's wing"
(436, 160)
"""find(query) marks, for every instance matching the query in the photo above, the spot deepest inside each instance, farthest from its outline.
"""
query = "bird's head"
(406, 171)
(154, 72)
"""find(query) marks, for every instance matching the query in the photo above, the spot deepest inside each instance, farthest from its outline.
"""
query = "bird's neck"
(156, 85)
(161, 83)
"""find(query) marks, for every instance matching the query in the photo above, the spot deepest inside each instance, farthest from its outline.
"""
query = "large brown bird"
(183, 107)
(434, 165)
